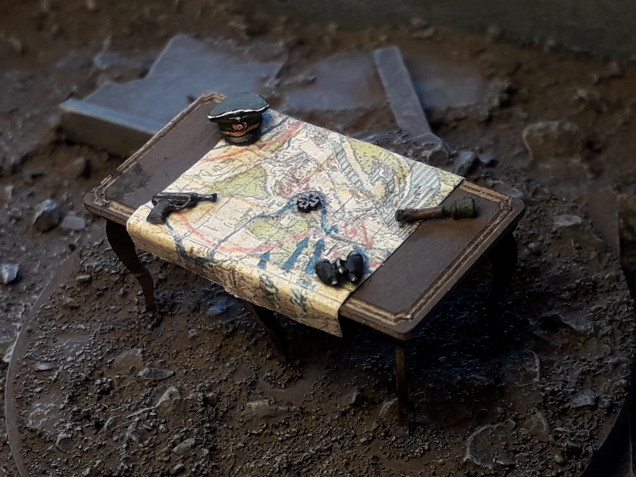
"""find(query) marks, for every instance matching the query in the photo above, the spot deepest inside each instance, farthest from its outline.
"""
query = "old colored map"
(256, 243)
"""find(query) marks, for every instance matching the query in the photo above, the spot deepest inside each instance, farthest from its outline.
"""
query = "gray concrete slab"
(118, 116)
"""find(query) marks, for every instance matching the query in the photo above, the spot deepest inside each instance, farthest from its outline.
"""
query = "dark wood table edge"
(497, 237)
(511, 211)
(95, 200)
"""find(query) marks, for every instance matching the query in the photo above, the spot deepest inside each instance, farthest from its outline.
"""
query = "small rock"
(69, 303)
(91, 5)
(47, 215)
(550, 139)
(487, 160)
(64, 442)
(185, 446)
(178, 469)
(219, 307)
(264, 408)
(508, 190)
(9, 272)
(83, 278)
(155, 374)
(388, 407)
(578, 320)
(424, 34)
(73, 222)
(432, 149)
(559, 459)
(44, 366)
(80, 167)
(6, 193)
(567, 221)
(8, 354)
(130, 359)
(584, 399)
(169, 401)
(465, 161)
(535, 248)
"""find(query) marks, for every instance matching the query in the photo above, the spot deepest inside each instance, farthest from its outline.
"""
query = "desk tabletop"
(398, 296)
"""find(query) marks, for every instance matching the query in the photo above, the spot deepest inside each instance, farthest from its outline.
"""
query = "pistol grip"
(160, 211)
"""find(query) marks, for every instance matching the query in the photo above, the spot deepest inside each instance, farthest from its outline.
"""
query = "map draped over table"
(256, 243)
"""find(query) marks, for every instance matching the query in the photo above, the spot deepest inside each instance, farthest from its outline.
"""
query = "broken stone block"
(73, 222)
(47, 215)
(121, 117)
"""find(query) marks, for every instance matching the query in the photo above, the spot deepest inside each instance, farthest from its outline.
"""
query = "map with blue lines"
(256, 243)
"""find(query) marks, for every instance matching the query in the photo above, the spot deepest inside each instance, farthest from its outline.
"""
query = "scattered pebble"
(584, 399)
(73, 222)
(508, 190)
(464, 162)
(185, 446)
(83, 278)
(155, 374)
(9, 272)
(47, 215)
(567, 221)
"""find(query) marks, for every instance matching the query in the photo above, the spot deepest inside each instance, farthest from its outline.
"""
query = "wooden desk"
(395, 300)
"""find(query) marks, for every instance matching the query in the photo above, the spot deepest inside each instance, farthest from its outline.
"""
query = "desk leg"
(124, 248)
(268, 321)
(504, 262)
(400, 381)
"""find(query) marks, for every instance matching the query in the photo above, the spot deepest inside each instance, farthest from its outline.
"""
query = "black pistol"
(168, 202)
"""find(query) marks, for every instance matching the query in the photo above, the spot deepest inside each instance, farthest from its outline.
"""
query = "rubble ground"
(98, 386)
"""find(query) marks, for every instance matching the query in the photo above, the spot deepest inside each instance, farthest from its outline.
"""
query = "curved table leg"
(268, 321)
(124, 248)
(401, 383)
(504, 261)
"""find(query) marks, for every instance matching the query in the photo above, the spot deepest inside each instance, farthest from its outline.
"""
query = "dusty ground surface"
(212, 397)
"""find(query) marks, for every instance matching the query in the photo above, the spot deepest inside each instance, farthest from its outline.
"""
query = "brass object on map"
(167, 202)
(459, 209)
(239, 118)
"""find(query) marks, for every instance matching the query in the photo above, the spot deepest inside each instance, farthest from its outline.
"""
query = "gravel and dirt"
(99, 386)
